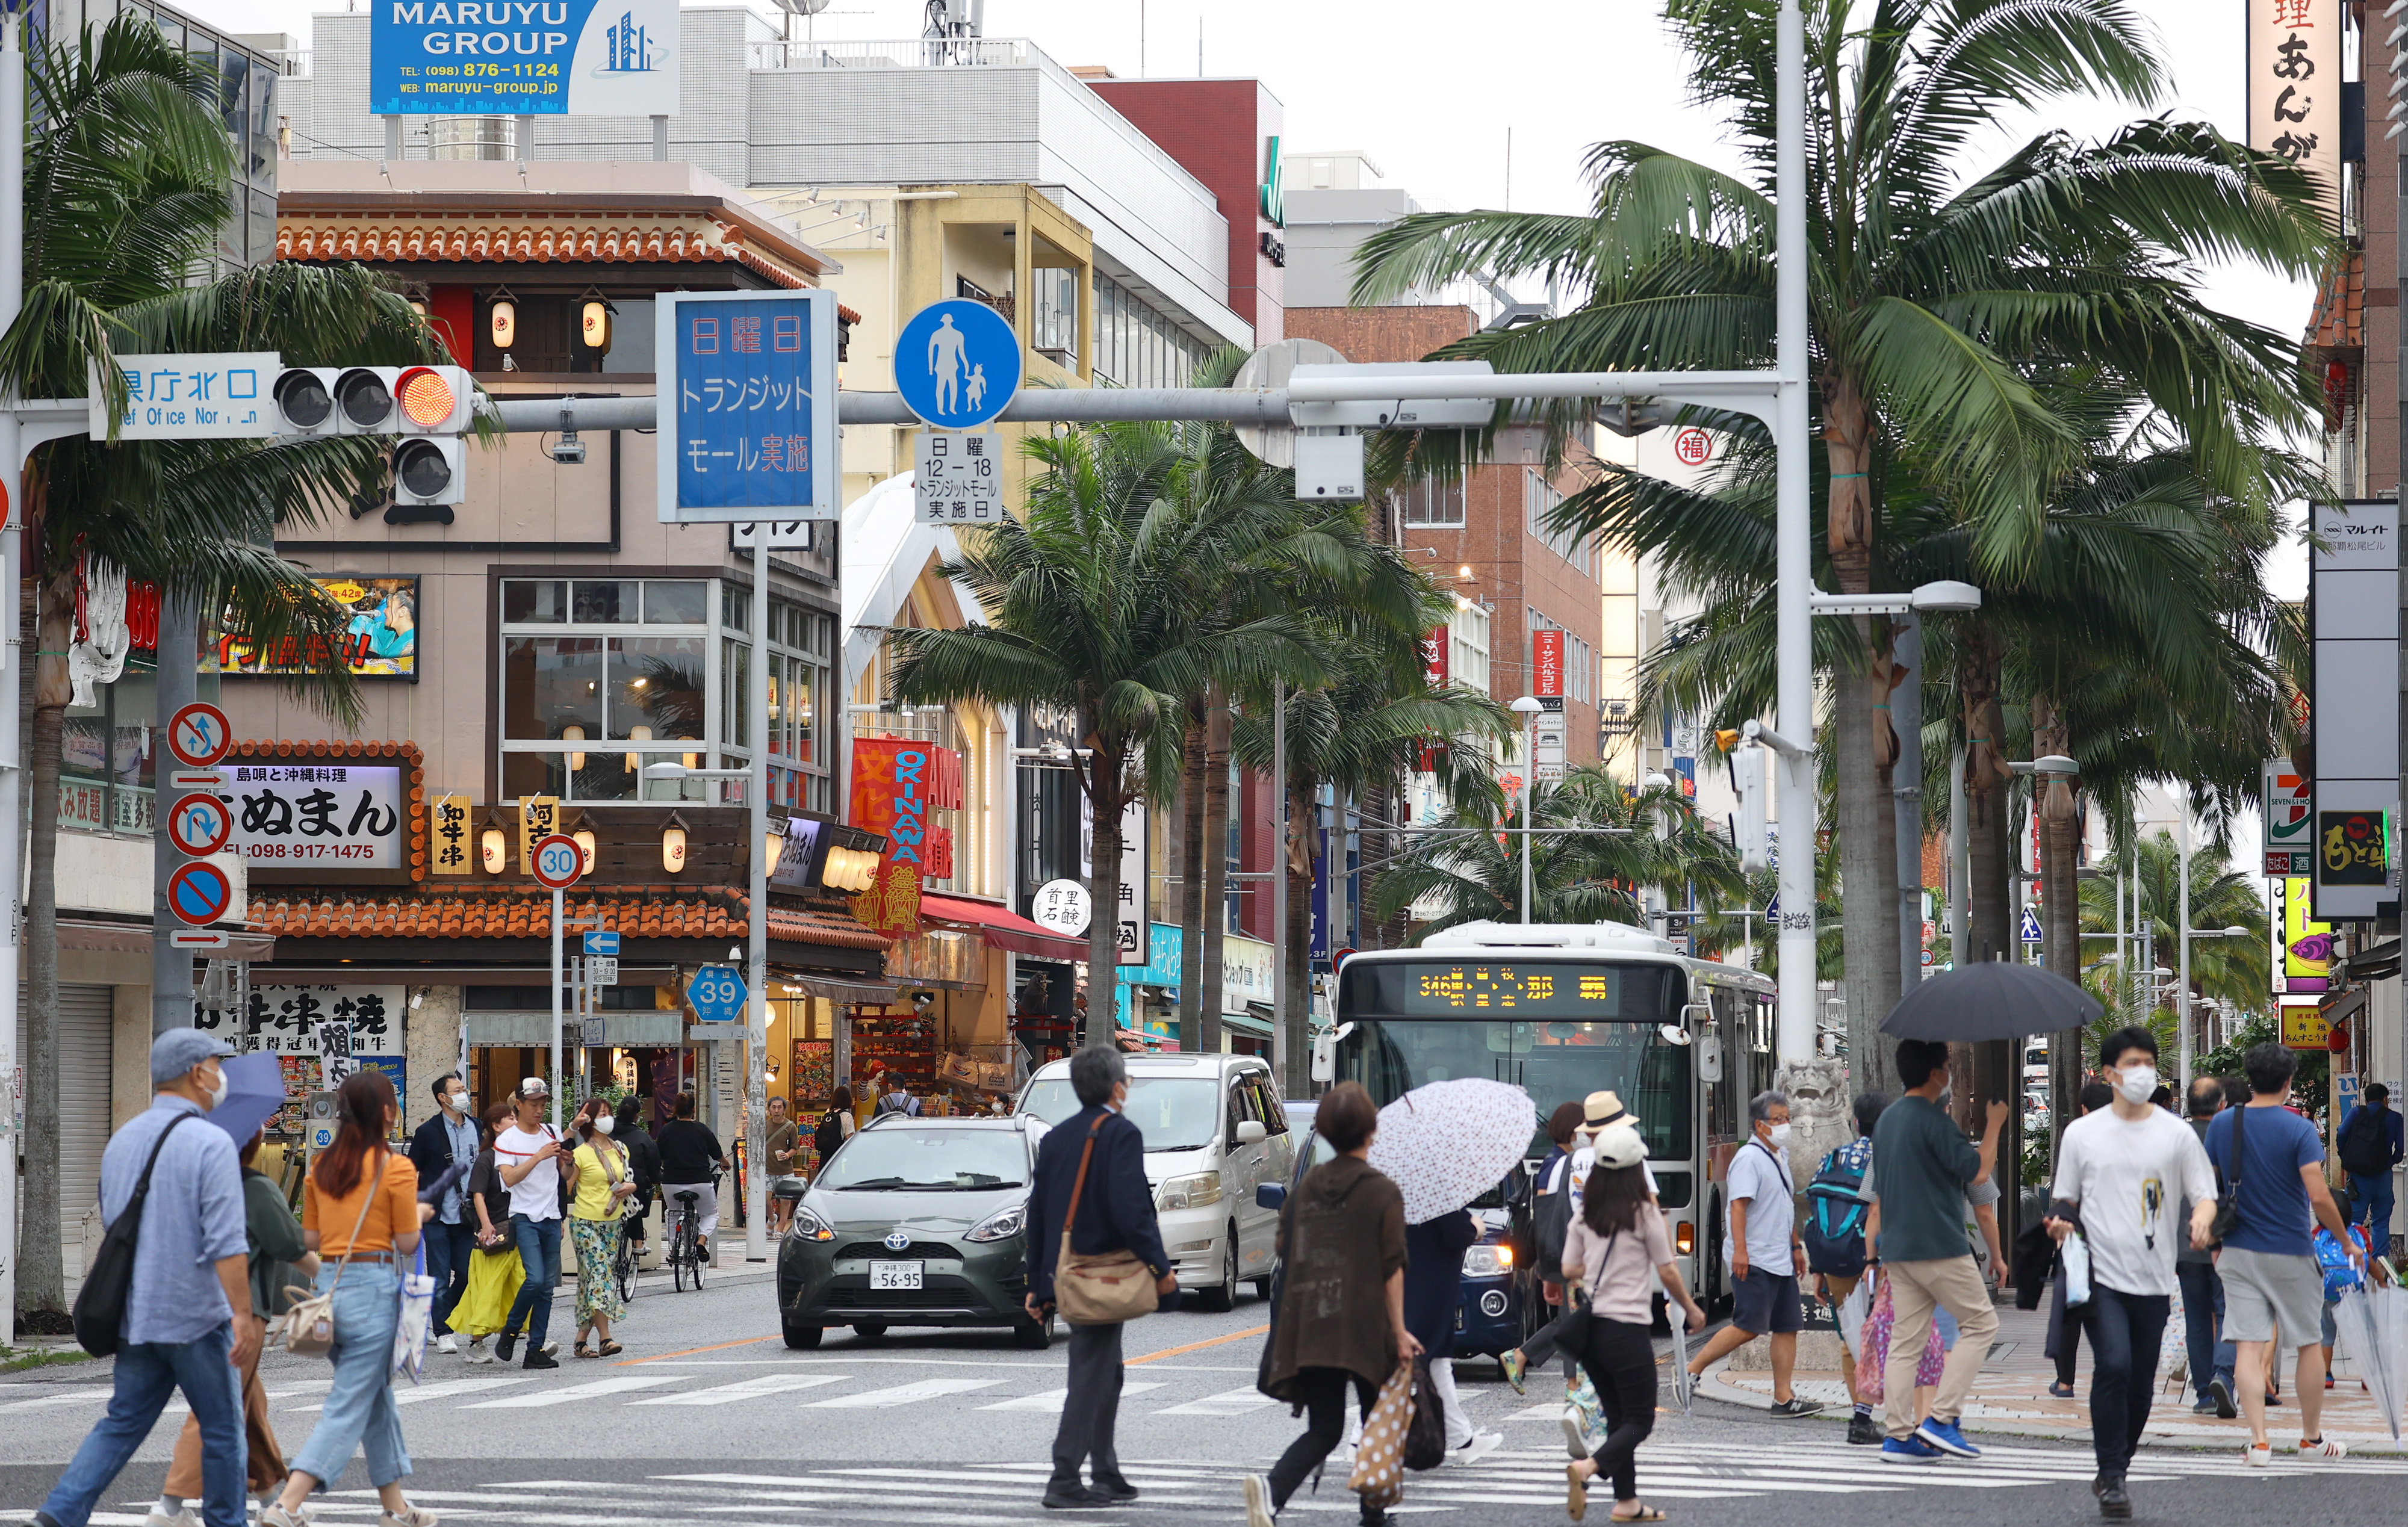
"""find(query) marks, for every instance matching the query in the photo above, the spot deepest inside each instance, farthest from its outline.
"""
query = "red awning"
(1001, 929)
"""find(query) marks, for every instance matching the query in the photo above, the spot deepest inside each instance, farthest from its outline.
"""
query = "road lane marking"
(1050, 1400)
(903, 1394)
(722, 1346)
(1227, 1403)
(747, 1389)
(574, 1392)
(1196, 1345)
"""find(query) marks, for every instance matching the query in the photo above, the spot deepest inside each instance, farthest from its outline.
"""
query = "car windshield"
(1174, 1113)
(927, 1160)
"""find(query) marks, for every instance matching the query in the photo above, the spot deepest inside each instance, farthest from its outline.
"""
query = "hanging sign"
(338, 815)
(2295, 87)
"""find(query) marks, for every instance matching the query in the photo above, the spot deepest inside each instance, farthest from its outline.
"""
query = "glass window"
(677, 604)
(263, 122)
(1556, 1063)
(585, 709)
(550, 684)
(603, 603)
(530, 600)
(656, 682)
(926, 1158)
(1433, 503)
(1174, 1113)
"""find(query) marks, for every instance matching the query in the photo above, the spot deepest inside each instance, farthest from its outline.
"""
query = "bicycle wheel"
(682, 1253)
(623, 1265)
(699, 1262)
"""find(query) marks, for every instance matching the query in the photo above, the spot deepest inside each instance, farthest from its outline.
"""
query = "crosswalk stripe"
(448, 1389)
(749, 1388)
(84, 1394)
(598, 1387)
(1051, 1399)
(903, 1394)
(1227, 1403)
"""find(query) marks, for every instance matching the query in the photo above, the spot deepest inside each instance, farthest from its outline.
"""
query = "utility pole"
(1280, 1047)
(1794, 554)
(756, 1031)
(14, 649)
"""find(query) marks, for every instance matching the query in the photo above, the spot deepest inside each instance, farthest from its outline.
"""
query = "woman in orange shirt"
(361, 1214)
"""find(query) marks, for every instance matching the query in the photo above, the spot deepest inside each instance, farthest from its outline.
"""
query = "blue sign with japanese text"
(958, 364)
(717, 994)
(214, 396)
(747, 407)
(585, 58)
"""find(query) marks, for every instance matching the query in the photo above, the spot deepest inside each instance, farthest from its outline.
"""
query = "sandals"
(1575, 1492)
(579, 1350)
(1645, 1513)
(609, 1349)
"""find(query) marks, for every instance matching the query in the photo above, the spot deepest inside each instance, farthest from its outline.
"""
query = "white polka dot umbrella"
(1449, 1142)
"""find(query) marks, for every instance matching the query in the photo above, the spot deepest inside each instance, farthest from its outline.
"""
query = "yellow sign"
(447, 837)
(2307, 943)
(2304, 1027)
(538, 818)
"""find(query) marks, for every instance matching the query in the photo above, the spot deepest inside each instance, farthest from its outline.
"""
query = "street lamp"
(1944, 597)
(1529, 709)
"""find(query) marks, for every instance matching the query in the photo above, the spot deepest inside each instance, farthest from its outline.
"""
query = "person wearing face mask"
(446, 1139)
(602, 1186)
(1765, 1256)
(2120, 1173)
(188, 1322)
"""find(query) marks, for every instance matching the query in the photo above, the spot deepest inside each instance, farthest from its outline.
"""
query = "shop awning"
(1001, 929)
(834, 990)
(1260, 1027)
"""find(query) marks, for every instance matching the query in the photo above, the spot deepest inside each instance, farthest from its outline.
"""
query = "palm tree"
(1934, 284)
(2237, 969)
(1099, 598)
(125, 189)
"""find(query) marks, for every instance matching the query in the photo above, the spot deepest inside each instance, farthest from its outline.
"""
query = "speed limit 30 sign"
(557, 861)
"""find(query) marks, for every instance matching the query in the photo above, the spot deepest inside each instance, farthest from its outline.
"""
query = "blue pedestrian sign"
(958, 364)
(747, 407)
(602, 943)
(717, 994)
(2031, 925)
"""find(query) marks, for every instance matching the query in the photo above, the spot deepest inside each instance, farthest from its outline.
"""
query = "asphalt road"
(707, 1417)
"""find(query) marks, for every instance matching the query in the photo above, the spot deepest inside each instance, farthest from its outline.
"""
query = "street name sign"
(217, 396)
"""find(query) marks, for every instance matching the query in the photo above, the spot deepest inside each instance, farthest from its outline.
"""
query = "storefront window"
(105, 772)
(802, 641)
(599, 678)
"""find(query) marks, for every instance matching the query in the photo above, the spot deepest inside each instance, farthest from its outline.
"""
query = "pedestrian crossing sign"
(2031, 925)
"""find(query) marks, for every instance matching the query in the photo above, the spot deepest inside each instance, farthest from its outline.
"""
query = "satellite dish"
(1268, 369)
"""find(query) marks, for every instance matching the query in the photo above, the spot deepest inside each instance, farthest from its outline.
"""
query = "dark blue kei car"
(1498, 1285)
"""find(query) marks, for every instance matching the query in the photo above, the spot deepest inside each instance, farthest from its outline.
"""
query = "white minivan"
(1213, 1130)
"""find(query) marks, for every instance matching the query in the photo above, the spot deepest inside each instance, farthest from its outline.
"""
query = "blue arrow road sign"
(604, 943)
(2031, 925)
(958, 364)
(717, 994)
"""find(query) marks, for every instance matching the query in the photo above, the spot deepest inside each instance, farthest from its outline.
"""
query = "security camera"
(569, 451)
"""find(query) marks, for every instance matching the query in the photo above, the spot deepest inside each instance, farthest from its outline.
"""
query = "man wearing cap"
(188, 1324)
(1764, 1252)
(532, 1165)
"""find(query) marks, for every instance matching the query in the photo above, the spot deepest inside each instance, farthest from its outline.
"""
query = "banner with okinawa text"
(895, 782)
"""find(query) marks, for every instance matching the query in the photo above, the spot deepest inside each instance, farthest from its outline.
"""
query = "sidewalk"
(2011, 1397)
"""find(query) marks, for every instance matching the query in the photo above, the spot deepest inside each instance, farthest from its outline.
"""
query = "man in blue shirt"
(2369, 1144)
(2268, 1261)
(188, 1322)
(449, 1137)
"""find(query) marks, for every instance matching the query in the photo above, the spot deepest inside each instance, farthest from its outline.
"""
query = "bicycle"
(685, 1251)
(623, 1265)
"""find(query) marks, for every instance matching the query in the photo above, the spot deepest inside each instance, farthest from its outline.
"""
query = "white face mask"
(218, 1094)
(605, 1124)
(2136, 1083)
(1945, 1093)
(459, 1102)
(1781, 1135)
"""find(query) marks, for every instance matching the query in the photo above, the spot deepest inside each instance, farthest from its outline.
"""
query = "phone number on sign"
(309, 850)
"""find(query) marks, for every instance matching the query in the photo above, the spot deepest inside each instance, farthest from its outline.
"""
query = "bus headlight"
(1685, 1239)
(1488, 1261)
(1189, 1193)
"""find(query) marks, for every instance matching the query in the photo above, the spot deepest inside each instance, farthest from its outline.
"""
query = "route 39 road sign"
(717, 994)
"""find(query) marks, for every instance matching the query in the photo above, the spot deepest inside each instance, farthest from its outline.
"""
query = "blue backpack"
(1834, 1225)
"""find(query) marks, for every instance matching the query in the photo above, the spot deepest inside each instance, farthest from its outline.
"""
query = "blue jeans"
(2202, 1296)
(2125, 1330)
(448, 1250)
(146, 1372)
(2374, 1195)
(539, 1255)
(360, 1412)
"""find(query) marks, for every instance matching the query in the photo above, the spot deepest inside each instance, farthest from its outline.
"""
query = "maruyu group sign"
(580, 58)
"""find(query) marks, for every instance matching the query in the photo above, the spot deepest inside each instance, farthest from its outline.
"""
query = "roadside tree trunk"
(1216, 865)
(2060, 900)
(1989, 916)
(1105, 794)
(41, 1273)
(1298, 864)
(1191, 890)
(1864, 815)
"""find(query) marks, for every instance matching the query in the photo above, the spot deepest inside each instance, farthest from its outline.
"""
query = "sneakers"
(1112, 1487)
(275, 1514)
(540, 1359)
(2219, 1391)
(552, 1349)
(1946, 1436)
(1794, 1406)
(1513, 1365)
(184, 1516)
(1579, 1442)
(447, 1343)
(2205, 1408)
(1909, 1450)
(2258, 1455)
(1072, 1496)
(508, 1347)
(1258, 1501)
(2115, 1503)
(1862, 1432)
(409, 1516)
(479, 1351)
(2322, 1447)
(1480, 1446)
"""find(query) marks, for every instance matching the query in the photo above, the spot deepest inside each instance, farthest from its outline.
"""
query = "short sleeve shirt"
(1758, 1174)
(394, 1211)
(2276, 1143)
(535, 1195)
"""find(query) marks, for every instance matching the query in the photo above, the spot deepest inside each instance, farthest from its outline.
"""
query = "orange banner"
(895, 783)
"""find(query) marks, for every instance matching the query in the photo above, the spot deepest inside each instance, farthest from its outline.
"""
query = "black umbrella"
(2000, 1000)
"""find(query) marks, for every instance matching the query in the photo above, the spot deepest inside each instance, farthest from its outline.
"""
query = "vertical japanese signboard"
(895, 783)
(1547, 663)
(538, 818)
(1134, 931)
(2306, 947)
(2295, 82)
(747, 407)
(2288, 815)
(2354, 605)
(448, 834)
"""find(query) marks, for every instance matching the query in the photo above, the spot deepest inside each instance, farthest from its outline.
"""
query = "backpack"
(2365, 1145)
(1553, 1224)
(899, 1101)
(1834, 1224)
(829, 1135)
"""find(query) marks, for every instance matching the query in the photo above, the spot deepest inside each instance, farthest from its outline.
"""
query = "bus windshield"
(1556, 1060)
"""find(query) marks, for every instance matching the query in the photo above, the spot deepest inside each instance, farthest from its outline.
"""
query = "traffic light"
(428, 407)
(1748, 768)
(430, 470)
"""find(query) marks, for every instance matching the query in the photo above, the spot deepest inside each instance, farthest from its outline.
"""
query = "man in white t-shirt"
(1764, 1252)
(534, 1163)
(2124, 1168)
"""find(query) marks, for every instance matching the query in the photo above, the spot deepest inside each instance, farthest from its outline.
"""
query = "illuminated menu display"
(1505, 988)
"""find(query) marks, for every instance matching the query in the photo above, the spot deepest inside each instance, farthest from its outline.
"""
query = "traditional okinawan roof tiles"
(651, 911)
(2339, 321)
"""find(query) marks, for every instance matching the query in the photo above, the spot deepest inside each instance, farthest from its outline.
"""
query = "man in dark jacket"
(1115, 1213)
(448, 1137)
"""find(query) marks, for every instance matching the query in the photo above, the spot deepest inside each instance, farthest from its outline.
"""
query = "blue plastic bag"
(2333, 1259)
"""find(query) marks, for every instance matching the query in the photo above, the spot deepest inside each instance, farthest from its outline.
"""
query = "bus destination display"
(1451, 988)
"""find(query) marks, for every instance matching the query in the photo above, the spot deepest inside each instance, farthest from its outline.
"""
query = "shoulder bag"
(100, 1303)
(2227, 1204)
(309, 1324)
(1103, 1290)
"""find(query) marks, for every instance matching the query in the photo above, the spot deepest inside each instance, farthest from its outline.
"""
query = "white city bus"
(1564, 1010)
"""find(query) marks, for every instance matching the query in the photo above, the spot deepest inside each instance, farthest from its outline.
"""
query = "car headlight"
(1001, 1225)
(1189, 1193)
(810, 1227)
(1488, 1261)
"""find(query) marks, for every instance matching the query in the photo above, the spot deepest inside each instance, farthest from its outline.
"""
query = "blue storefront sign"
(553, 58)
(747, 407)
(1164, 949)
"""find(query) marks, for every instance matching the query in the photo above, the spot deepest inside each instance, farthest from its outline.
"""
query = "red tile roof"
(2340, 319)
(662, 911)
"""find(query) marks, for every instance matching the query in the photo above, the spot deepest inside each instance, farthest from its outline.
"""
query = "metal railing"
(295, 62)
(907, 53)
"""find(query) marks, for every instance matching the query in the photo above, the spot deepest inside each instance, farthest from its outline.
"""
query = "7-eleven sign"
(2289, 798)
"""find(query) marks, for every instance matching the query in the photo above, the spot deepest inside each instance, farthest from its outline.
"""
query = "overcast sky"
(1431, 91)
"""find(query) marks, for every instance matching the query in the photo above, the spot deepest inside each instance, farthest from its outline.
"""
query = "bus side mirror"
(1325, 1053)
(1710, 1058)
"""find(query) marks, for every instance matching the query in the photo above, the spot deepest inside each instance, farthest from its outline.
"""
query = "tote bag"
(1378, 1475)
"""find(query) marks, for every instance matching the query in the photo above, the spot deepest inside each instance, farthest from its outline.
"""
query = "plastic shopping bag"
(1880, 1322)
(417, 1314)
(2073, 1265)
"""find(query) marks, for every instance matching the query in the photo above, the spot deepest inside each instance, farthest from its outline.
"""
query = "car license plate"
(896, 1275)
